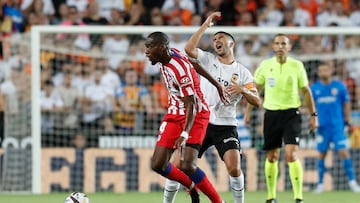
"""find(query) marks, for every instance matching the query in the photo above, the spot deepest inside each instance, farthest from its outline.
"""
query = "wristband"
(184, 134)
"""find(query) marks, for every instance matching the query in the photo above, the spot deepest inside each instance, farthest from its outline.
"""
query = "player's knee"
(187, 167)
(156, 165)
(234, 171)
(272, 157)
(290, 156)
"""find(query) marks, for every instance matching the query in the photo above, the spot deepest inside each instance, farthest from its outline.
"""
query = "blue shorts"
(326, 136)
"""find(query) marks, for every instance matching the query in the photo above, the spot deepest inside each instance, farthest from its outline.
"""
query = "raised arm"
(191, 45)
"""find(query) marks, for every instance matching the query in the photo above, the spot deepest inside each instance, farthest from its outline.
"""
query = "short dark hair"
(159, 38)
(225, 33)
(280, 35)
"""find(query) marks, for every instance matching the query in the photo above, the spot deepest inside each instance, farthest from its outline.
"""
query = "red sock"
(203, 183)
(173, 173)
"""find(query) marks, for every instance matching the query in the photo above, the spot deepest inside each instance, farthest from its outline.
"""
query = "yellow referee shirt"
(281, 82)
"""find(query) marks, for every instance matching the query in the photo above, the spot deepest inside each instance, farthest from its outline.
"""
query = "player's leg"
(171, 187)
(228, 147)
(295, 170)
(292, 134)
(160, 164)
(342, 147)
(189, 160)
(197, 175)
(272, 143)
(168, 133)
(323, 141)
(271, 173)
(232, 161)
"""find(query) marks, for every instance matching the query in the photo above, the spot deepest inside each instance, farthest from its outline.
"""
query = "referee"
(282, 78)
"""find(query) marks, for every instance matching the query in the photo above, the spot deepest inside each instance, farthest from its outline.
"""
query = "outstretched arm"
(190, 47)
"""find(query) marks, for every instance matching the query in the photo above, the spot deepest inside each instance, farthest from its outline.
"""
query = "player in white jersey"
(222, 129)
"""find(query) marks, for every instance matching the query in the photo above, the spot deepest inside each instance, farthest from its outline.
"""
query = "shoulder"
(295, 62)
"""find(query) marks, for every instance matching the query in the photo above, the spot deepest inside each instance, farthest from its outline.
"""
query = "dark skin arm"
(190, 103)
(199, 69)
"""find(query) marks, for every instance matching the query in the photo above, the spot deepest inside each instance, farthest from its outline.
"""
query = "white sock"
(237, 187)
(170, 191)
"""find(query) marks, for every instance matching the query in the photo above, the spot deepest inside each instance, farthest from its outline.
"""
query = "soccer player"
(282, 77)
(184, 125)
(222, 128)
(334, 111)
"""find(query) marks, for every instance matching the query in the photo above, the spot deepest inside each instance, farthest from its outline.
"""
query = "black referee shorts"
(222, 137)
(281, 126)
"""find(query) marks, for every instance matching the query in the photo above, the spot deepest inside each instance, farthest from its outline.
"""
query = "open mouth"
(218, 46)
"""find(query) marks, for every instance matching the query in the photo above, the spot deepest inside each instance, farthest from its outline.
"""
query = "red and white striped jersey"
(181, 80)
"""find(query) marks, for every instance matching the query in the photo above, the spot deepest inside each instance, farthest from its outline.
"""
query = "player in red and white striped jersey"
(184, 125)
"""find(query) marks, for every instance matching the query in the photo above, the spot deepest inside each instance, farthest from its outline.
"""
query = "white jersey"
(222, 114)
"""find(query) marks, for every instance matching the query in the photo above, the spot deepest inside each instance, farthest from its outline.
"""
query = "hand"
(247, 119)
(314, 123)
(223, 94)
(348, 129)
(181, 141)
(209, 20)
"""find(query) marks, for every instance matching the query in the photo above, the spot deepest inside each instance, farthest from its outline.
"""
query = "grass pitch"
(182, 197)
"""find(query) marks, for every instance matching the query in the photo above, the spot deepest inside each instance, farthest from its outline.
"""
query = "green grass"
(156, 197)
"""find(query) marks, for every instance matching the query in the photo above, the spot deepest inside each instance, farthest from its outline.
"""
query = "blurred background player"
(184, 125)
(282, 77)
(334, 111)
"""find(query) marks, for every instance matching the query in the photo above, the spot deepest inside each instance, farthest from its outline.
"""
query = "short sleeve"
(344, 94)
(259, 76)
(204, 58)
(302, 77)
(247, 79)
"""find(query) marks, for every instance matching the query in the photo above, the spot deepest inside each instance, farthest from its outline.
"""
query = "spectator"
(339, 16)
(247, 18)
(116, 17)
(93, 17)
(12, 10)
(159, 94)
(70, 96)
(96, 105)
(86, 78)
(178, 12)
(80, 5)
(132, 98)
(81, 41)
(156, 17)
(61, 15)
(109, 78)
(302, 17)
(311, 6)
(106, 7)
(50, 102)
(116, 46)
(58, 78)
(244, 55)
(270, 15)
(355, 15)
(43, 8)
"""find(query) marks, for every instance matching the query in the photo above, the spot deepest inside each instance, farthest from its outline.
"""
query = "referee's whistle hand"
(313, 122)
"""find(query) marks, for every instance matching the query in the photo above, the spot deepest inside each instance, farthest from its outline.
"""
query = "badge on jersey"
(185, 81)
(271, 82)
(234, 77)
(334, 91)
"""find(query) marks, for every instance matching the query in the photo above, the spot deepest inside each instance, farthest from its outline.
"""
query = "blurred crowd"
(93, 81)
